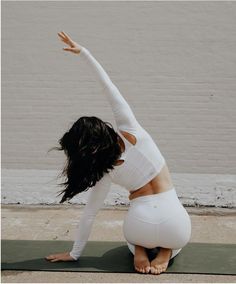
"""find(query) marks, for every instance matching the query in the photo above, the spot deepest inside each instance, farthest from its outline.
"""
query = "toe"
(138, 269)
(152, 270)
(147, 269)
(164, 268)
(157, 269)
(156, 272)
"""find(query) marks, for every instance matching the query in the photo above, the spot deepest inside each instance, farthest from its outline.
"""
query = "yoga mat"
(199, 258)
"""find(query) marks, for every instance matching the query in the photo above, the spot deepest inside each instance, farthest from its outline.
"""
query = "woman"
(98, 155)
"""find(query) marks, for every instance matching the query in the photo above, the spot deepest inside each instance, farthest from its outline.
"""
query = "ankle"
(165, 253)
(165, 250)
(140, 250)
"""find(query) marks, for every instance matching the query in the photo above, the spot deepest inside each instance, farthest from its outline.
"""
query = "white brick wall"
(32, 186)
(174, 62)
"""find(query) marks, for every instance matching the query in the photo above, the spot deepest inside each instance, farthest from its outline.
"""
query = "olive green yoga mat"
(200, 258)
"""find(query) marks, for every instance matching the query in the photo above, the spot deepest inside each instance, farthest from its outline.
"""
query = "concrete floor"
(58, 223)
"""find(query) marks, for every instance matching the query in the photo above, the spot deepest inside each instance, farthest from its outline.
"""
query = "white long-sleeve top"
(142, 161)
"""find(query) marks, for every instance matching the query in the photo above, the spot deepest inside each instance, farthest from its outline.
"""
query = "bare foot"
(160, 263)
(141, 261)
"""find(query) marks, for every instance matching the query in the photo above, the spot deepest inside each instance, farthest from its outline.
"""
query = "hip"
(156, 208)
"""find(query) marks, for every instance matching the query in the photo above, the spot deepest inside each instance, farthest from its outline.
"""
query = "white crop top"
(142, 161)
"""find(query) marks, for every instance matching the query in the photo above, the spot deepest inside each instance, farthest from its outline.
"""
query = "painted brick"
(174, 62)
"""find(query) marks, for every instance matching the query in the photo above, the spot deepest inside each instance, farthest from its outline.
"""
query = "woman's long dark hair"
(91, 146)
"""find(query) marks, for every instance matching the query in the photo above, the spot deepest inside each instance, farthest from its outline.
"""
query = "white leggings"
(157, 220)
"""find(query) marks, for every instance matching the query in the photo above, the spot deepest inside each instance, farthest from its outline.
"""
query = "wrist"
(83, 50)
(72, 255)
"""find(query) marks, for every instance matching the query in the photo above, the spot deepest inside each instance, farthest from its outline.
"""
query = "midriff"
(160, 183)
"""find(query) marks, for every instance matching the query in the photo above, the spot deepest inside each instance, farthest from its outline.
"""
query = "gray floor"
(58, 222)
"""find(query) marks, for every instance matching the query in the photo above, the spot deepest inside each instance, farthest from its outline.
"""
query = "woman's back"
(141, 161)
(160, 183)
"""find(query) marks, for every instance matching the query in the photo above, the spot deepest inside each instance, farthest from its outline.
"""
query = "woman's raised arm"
(124, 116)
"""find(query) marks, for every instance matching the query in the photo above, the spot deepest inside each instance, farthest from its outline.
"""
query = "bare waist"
(160, 183)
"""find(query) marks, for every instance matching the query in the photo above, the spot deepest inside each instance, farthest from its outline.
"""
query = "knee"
(131, 247)
(175, 252)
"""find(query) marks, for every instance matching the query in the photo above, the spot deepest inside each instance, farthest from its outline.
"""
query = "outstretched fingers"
(52, 258)
(55, 260)
(64, 37)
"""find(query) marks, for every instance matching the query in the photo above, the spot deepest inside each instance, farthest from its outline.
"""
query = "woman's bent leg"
(131, 247)
(151, 224)
(175, 252)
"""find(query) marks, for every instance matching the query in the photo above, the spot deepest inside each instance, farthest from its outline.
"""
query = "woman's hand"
(73, 46)
(65, 256)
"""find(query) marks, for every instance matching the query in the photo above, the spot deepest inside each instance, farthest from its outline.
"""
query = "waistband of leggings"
(156, 196)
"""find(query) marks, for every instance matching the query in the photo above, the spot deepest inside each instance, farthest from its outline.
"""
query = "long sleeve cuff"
(83, 51)
(73, 256)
